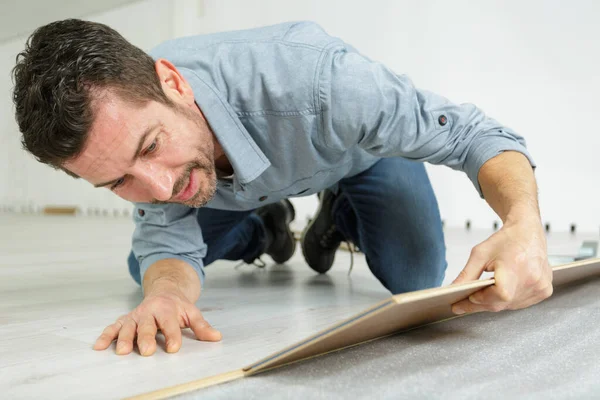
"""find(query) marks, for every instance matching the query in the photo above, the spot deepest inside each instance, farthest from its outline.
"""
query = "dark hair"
(62, 66)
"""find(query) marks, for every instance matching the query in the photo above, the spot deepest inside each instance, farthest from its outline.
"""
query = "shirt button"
(263, 198)
(443, 120)
(141, 212)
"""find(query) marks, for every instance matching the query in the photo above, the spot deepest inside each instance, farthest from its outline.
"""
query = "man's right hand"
(166, 309)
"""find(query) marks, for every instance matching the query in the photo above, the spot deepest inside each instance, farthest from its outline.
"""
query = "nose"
(159, 182)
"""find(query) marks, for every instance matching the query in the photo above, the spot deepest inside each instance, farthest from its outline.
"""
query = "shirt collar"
(246, 158)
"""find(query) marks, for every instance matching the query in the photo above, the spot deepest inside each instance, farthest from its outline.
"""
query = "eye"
(151, 148)
(117, 184)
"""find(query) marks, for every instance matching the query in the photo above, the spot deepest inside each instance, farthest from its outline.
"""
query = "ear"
(173, 83)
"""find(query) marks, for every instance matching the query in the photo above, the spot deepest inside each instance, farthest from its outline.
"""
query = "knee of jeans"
(134, 268)
(414, 270)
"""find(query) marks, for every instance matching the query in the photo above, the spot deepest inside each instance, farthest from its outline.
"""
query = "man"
(211, 135)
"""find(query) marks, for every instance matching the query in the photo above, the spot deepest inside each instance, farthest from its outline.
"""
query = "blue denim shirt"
(296, 110)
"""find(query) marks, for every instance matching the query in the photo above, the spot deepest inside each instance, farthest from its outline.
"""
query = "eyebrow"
(143, 138)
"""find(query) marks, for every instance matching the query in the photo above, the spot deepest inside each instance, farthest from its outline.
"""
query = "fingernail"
(120, 346)
(144, 349)
(458, 310)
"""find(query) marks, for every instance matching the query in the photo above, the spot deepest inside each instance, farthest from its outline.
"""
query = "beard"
(205, 164)
(206, 189)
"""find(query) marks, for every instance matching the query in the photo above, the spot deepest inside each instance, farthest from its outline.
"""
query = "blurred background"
(533, 65)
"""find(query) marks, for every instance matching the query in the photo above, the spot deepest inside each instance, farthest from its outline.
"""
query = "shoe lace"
(352, 249)
(257, 262)
(327, 241)
(329, 236)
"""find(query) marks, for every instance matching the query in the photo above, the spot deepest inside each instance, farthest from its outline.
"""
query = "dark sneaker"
(280, 239)
(321, 238)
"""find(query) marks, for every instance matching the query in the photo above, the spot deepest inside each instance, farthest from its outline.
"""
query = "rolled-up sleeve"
(167, 231)
(365, 104)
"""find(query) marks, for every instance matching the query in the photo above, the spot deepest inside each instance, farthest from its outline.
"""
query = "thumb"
(201, 327)
(474, 267)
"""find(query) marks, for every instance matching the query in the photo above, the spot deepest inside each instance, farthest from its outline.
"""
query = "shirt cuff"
(148, 261)
(490, 148)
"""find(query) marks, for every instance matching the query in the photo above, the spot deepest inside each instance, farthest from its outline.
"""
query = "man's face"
(150, 153)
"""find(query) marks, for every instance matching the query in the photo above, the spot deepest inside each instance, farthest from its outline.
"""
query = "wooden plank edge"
(190, 386)
(575, 264)
(418, 295)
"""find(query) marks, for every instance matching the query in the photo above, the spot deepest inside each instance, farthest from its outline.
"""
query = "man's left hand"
(517, 255)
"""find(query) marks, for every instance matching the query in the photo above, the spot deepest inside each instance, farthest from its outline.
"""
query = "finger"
(467, 307)
(495, 298)
(474, 267)
(503, 291)
(126, 336)
(201, 327)
(171, 330)
(489, 300)
(146, 335)
(109, 334)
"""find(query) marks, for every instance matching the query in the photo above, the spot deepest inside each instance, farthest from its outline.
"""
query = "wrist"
(523, 211)
(519, 215)
(172, 276)
(161, 285)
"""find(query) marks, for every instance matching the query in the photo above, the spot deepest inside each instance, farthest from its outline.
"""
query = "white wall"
(530, 64)
(24, 183)
(18, 18)
(534, 65)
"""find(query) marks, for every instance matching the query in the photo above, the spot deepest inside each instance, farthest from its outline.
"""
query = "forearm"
(173, 274)
(508, 185)
(517, 253)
